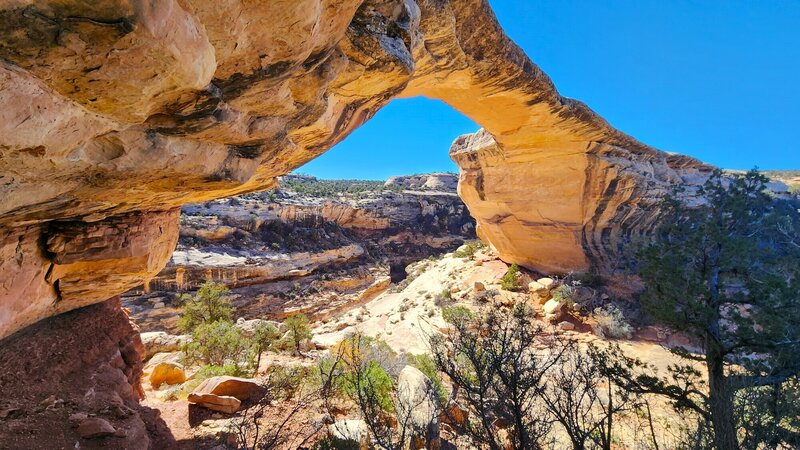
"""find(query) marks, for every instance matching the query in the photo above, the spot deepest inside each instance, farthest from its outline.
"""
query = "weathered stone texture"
(113, 111)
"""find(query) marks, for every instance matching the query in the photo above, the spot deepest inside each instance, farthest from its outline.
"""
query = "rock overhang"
(118, 112)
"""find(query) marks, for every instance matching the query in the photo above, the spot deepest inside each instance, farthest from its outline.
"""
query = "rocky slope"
(114, 115)
(319, 246)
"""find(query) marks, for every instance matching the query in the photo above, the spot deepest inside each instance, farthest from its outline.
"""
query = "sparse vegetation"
(210, 304)
(469, 249)
(612, 322)
(443, 298)
(362, 370)
(511, 279)
(313, 187)
(457, 314)
(297, 331)
(517, 382)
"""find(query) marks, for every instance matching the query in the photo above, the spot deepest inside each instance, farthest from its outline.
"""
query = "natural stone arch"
(116, 113)
(552, 185)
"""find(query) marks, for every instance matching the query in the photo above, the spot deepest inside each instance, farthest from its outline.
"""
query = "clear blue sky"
(715, 79)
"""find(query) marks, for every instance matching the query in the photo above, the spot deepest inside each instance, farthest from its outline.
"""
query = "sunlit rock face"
(566, 207)
(114, 113)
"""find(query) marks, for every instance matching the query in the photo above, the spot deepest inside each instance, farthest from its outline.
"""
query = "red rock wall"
(87, 361)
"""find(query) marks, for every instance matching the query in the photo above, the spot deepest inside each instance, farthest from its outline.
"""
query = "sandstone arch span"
(114, 113)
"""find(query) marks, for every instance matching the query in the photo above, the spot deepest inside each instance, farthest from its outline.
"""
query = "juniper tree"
(727, 273)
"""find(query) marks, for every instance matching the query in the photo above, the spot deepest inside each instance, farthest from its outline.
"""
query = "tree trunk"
(720, 398)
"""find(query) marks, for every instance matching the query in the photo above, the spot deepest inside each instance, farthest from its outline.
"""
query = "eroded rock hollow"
(114, 113)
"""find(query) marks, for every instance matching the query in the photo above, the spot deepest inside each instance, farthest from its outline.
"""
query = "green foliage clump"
(511, 279)
(565, 294)
(457, 314)
(469, 249)
(210, 371)
(219, 343)
(297, 331)
(211, 303)
(612, 322)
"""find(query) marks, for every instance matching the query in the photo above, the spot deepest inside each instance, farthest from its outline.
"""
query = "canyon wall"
(115, 113)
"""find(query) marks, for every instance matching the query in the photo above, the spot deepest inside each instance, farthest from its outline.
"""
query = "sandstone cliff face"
(317, 246)
(560, 208)
(117, 112)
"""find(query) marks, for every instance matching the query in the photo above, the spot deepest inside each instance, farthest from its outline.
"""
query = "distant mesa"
(438, 181)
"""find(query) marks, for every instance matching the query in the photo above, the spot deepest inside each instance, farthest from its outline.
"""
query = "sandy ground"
(405, 319)
(404, 316)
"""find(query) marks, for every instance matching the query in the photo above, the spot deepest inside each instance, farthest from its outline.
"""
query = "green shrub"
(565, 294)
(297, 331)
(265, 337)
(443, 298)
(511, 279)
(217, 371)
(457, 314)
(211, 303)
(612, 322)
(284, 381)
(220, 344)
(469, 249)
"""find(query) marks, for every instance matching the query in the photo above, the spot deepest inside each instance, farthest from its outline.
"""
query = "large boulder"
(219, 393)
(417, 407)
(162, 342)
(165, 368)
(222, 403)
(353, 431)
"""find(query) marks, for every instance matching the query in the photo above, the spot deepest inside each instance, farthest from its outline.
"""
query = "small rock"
(552, 306)
(159, 305)
(548, 283)
(478, 287)
(77, 418)
(566, 326)
(535, 286)
(95, 427)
